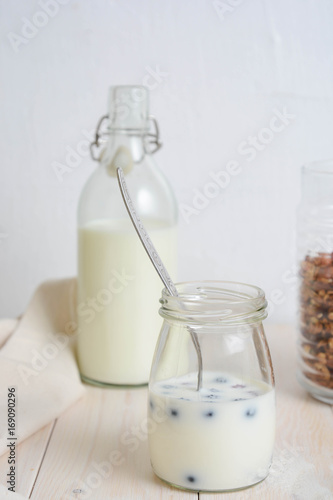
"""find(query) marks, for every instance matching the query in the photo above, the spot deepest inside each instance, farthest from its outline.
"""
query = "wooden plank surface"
(29, 455)
(98, 448)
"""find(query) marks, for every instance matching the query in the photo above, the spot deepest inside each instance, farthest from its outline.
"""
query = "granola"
(316, 318)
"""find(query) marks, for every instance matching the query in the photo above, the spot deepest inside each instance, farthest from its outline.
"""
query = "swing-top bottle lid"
(128, 107)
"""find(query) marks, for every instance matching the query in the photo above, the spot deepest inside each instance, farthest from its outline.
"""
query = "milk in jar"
(220, 438)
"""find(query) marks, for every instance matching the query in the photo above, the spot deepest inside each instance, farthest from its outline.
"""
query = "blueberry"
(209, 414)
(214, 390)
(239, 399)
(238, 386)
(191, 479)
(221, 380)
(168, 386)
(174, 413)
(151, 404)
(250, 412)
(211, 396)
(253, 393)
(185, 399)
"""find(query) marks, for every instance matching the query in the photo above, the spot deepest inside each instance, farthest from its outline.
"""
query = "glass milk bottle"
(315, 251)
(118, 289)
(220, 437)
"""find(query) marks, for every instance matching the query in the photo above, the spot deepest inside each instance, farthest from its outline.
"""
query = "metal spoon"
(156, 260)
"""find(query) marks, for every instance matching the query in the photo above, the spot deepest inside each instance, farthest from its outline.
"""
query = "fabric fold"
(38, 360)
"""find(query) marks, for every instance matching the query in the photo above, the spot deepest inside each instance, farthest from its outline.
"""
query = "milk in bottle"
(118, 289)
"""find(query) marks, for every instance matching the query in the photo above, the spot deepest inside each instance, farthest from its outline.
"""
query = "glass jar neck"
(128, 116)
(317, 183)
(133, 141)
(215, 303)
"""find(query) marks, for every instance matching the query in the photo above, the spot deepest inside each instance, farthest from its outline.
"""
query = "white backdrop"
(243, 91)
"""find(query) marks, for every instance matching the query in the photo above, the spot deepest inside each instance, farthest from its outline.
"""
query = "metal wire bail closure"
(100, 138)
(151, 140)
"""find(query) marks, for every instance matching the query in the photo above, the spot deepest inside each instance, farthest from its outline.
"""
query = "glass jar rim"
(214, 302)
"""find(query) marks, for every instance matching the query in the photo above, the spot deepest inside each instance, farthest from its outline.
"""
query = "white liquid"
(221, 438)
(118, 300)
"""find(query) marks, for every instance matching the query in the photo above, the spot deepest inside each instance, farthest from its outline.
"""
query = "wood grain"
(90, 439)
(29, 455)
(98, 448)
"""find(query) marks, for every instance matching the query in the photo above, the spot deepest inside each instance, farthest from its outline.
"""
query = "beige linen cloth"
(37, 358)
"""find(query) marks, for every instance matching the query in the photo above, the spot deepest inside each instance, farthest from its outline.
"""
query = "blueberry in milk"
(211, 396)
(250, 412)
(191, 479)
(224, 432)
(208, 414)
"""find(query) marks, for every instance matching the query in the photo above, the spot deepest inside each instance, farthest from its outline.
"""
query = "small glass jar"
(220, 437)
(315, 252)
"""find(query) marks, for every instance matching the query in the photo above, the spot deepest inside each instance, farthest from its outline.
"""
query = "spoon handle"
(156, 261)
(142, 233)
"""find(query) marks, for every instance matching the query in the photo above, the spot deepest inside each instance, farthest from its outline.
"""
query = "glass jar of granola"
(315, 248)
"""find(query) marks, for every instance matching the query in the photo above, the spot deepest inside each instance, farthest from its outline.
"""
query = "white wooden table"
(81, 455)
